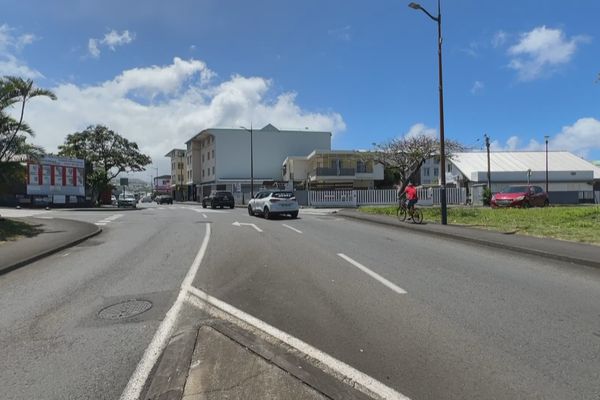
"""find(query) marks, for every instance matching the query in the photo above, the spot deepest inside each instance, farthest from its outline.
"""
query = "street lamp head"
(415, 6)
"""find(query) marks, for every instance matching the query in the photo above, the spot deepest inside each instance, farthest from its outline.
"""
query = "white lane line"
(204, 215)
(327, 363)
(66, 254)
(100, 223)
(292, 228)
(374, 275)
(165, 330)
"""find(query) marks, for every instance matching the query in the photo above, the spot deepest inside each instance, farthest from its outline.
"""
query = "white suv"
(269, 203)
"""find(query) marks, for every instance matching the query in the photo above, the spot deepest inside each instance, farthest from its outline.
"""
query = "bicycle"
(416, 215)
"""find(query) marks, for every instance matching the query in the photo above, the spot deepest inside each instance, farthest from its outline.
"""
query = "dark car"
(219, 199)
(520, 196)
(164, 199)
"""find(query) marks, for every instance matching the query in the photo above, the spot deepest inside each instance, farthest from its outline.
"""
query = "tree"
(15, 90)
(106, 152)
(406, 155)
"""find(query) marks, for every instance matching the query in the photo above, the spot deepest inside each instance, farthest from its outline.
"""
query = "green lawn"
(11, 229)
(576, 223)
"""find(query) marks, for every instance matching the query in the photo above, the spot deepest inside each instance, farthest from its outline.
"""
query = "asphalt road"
(434, 319)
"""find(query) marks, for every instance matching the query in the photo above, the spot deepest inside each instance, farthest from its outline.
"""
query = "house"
(219, 159)
(332, 169)
(162, 184)
(179, 189)
(570, 179)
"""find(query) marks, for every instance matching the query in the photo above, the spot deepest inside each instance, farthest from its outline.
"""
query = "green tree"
(17, 91)
(106, 152)
(405, 155)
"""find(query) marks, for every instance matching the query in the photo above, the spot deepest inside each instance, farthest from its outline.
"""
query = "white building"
(219, 159)
(333, 169)
(567, 173)
(178, 174)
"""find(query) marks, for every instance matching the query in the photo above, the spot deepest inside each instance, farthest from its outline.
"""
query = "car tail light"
(293, 198)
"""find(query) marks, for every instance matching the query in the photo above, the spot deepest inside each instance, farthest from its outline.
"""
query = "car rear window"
(283, 195)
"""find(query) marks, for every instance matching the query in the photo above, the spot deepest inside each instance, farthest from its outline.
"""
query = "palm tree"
(15, 90)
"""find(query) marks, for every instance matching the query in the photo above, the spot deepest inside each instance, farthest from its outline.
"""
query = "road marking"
(374, 275)
(204, 215)
(246, 224)
(100, 223)
(66, 254)
(46, 217)
(292, 228)
(165, 330)
(327, 363)
(106, 220)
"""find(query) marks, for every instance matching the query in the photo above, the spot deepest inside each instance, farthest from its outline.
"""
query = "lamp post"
(546, 138)
(438, 19)
(489, 171)
(251, 160)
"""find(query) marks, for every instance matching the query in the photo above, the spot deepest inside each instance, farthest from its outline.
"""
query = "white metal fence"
(354, 198)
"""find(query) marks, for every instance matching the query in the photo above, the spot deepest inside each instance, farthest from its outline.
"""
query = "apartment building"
(179, 189)
(219, 159)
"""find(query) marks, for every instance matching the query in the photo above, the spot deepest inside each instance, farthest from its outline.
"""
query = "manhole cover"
(125, 309)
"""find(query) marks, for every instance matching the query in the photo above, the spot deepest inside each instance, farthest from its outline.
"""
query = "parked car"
(163, 199)
(219, 199)
(270, 203)
(520, 196)
(127, 200)
(146, 199)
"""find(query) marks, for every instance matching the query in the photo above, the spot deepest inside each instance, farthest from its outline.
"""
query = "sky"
(158, 72)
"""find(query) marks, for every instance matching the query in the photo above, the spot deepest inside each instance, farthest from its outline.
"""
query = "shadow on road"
(13, 230)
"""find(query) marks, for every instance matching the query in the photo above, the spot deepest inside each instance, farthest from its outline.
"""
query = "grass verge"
(575, 223)
(11, 229)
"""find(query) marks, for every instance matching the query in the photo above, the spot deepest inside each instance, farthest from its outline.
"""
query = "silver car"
(270, 203)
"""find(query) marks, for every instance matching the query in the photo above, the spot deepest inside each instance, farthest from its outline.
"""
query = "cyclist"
(411, 197)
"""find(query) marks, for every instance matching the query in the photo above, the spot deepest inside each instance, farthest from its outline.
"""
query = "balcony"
(324, 171)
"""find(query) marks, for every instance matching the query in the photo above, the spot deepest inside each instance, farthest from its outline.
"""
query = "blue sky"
(157, 72)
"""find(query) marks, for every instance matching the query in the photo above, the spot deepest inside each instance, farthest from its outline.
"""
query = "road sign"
(124, 182)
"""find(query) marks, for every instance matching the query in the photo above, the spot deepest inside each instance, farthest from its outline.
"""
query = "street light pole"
(489, 171)
(438, 19)
(251, 160)
(546, 138)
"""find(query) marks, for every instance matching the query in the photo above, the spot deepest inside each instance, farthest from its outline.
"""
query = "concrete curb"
(103, 209)
(49, 252)
(385, 220)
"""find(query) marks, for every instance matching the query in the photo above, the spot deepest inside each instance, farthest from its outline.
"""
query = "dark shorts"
(411, 203)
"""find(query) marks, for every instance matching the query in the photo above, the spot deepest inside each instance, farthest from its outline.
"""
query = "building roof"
(171, 153)
(513, 161)
(266, 128)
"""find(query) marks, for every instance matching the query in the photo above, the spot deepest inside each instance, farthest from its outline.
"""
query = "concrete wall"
(270, 149)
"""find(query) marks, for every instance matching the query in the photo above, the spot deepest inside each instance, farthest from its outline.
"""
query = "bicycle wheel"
(401, 214)
(417, 216)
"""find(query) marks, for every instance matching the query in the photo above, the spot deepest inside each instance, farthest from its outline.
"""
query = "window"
(202, 157)
(203, 173)
(213, 154)
(426, 171)
(449, 168)
(213, 171)
(361, 166)
(208, 155)
(436, 171)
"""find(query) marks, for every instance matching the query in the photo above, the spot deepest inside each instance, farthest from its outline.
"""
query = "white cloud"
(114, 38)
(420, 129)
(580, 138)
(499, 38)
(10, 47)
(161, 107)
(93, 48)
(111, 40)
(540, 51)
(477, 87)
(342, 34)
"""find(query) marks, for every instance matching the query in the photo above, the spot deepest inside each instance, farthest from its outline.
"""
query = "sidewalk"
(57, 234)
(574, 252)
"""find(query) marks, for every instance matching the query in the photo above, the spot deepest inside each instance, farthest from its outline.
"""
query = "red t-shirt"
(411, 193)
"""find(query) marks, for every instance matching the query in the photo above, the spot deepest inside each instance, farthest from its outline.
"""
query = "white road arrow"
(243, 223)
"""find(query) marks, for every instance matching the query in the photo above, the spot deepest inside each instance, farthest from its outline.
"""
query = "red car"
(520, 196)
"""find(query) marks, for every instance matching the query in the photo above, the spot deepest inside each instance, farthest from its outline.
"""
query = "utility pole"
(489, 171)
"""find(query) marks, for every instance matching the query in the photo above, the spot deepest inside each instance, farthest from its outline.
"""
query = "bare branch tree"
(407, 154)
